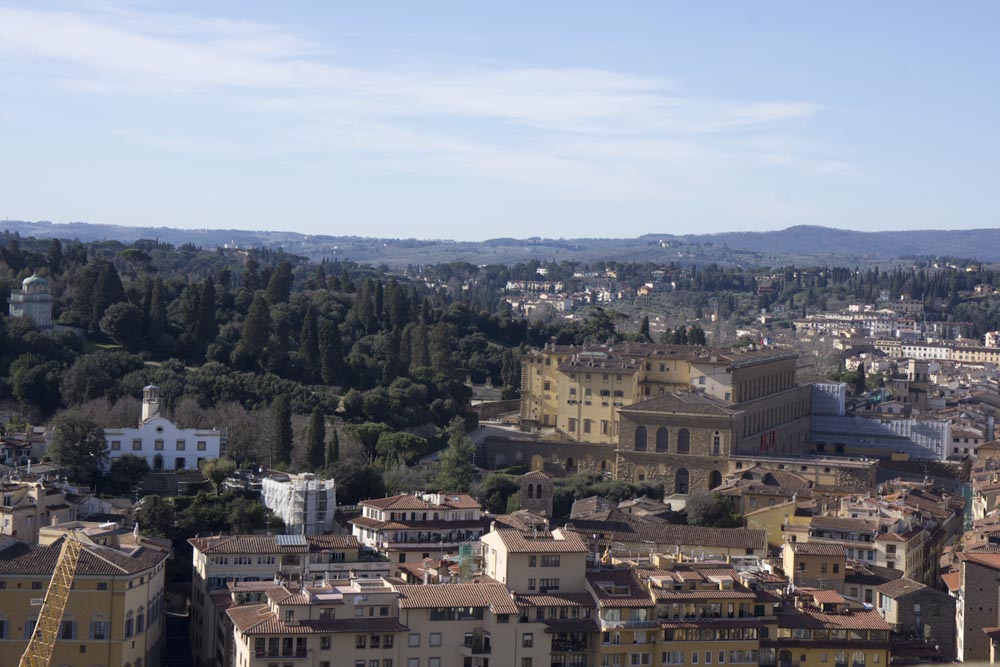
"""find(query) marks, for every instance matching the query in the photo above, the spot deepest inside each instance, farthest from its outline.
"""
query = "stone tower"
(536, 492)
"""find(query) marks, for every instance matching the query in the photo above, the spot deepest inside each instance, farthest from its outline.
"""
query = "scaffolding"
(43, 638)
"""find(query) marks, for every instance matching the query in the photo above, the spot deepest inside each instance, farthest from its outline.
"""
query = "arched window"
(99, 627)
(531, 490)
(662, 440)
(681, 481)
(858, 659)
(716, 443)
(683, 441)
(714, 479)
(640, 439)
(841, 659)
(640, 474)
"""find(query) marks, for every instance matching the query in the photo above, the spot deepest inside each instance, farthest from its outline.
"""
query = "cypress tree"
(330, 353)
(390, 368)
(309, 344)
(279, 287)
(107, 291)
(157, 312)
(257, 326)
(282, 449)
(333, 450)
(208, 328)
(316, 443)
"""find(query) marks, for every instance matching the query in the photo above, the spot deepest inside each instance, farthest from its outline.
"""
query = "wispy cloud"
(256, 89)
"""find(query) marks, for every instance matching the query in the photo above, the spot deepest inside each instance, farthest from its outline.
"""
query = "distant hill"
(798, 245)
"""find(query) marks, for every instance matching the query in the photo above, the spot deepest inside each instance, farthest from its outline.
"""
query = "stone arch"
(640, 474)
(714, 479)
(570, 464)
(662, 440)
(683, 441)
(640, 438)
(531, 490)
(681, 481)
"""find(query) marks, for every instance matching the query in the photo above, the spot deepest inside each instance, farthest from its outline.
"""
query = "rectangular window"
(549, 585)
(604, 426)
(572, 425)
(433, 662)
(434, 639)
(532, 561)
(158, 445)
(586, 426)
(531, 584)
(528, 639)
(325, 643)
(116, 445)
(136, 445)
(413, 639)
(361, 641)
(550, 561)
(202, 446)
(181, 445)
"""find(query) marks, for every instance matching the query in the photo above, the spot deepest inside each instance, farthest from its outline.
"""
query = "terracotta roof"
(407, 501)
(440, 524)
(953, 580)
(95, 560)
(856, 619)
(705, 594)
(258, 619)
(640, 532)
(822, 596)
(555, 600)
(990, 560)
(518, 541)
(494, 596)
(900, 587)
(266, 544)
(816, 549)
(633, 592)
(841, 523)
(890, 537)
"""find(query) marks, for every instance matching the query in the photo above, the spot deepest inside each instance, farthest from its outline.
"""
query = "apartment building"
(823, 628)
(919, 611)
(814, 564)
(27, 506)
(305, 502)
(535, 561)
(164, 445)
(114, 615)
(219, 561)
(409, 528)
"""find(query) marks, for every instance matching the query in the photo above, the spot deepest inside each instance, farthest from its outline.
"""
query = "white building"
(160, 442)
(306, 503)
(33, 302)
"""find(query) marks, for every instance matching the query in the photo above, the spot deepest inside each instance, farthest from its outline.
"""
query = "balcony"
(476, 646)
(569, 645)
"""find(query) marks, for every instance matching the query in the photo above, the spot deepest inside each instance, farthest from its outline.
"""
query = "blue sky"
(473, 120)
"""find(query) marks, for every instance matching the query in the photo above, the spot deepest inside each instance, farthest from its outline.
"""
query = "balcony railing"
(477, 647)
(569, 645)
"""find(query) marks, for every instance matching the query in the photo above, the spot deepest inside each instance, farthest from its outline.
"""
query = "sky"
(475, 120)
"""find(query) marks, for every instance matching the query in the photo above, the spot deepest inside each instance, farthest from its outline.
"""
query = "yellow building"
(575, 391)
(825, 630)
(27, 506)
(115, 611)
(774, 518)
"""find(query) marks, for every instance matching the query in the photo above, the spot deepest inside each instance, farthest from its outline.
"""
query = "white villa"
(33, 302)
(160, 442)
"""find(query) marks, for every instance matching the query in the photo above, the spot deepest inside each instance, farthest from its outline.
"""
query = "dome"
(34, 279)
(35, 284)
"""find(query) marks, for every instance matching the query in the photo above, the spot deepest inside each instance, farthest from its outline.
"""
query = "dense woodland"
(343, 367)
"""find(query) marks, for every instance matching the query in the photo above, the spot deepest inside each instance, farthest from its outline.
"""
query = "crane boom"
(43, 639)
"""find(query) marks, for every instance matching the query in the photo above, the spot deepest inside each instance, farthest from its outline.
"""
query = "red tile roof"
(494, 596)
(518, 541)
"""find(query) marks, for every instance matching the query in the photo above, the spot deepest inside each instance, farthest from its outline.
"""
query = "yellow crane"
(43, 639)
